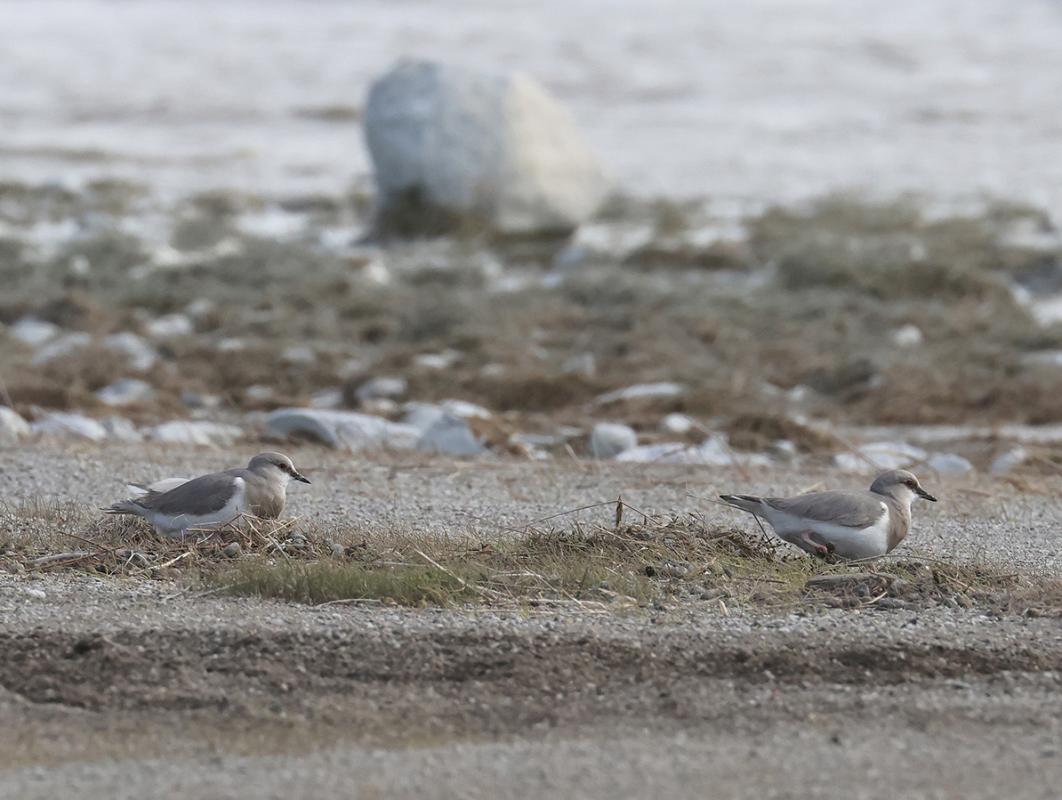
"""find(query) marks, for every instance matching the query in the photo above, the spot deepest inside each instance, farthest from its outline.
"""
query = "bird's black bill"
(925, 495)
(300, 477)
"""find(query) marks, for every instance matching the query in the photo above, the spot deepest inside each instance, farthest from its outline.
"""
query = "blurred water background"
(746, 103)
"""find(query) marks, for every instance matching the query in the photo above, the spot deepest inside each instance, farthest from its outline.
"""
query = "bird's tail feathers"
(125, 507)
(745, 502)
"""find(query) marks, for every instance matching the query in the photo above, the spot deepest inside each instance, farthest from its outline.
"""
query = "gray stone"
(891, 604)
(195, 432)
(200, 307)
(70, 426)
(785, 449)
(496, 149)
(258, 392)
(609, 439)
(674, 569)
(12, 426)
(352, 368)
(465, 410)
(907, 336)
(437, 361)
(949, 464)
(125, 392)
(169, 326)
(381, 388)
(139, 355)
(422, 415)
(662, 453)
(33, 332)
(231, 344)
(678, 424)
(584, 364)
(200, 401)
(713, 451)
(537, 439)
(327, 398)
(299, 354)
(342, 429)
(380, 407)
(880, 456)
(1005, 462)
(450, 435)
(642, 391)
(65, 345)
(121, 430)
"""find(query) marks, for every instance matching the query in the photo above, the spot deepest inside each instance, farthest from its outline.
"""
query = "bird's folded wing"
(140, 490)
(848, 509)
(199, 496)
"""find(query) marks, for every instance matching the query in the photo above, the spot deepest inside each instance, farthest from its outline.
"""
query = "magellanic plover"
(218, 499)
(851, 525)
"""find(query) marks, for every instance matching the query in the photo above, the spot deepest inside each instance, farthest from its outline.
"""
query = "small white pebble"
(907, 336)
(676, 423)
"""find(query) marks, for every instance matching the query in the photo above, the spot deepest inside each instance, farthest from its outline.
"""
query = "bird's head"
(900, 485)
(276, 465)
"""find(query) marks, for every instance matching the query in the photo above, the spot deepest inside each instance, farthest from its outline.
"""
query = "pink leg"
(820, 549)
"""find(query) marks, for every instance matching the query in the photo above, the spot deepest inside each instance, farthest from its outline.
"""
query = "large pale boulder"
(452, 147)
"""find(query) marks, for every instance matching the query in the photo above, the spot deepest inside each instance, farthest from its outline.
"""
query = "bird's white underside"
(851, 543)
(171, 525)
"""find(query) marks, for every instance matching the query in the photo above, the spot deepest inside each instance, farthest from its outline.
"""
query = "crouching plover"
(215, 500)
(851, 525)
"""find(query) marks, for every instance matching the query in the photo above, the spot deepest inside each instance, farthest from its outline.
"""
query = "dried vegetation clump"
(807, 298)
(637, 560)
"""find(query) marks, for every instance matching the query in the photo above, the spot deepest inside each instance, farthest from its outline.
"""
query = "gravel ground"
(130, 688)
(977, 518)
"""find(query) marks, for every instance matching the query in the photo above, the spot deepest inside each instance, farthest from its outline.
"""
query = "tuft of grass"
(571, 565)
(634, 560)
(653, 560)
(891, 250)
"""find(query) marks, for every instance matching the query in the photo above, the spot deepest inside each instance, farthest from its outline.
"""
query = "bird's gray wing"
(203, 495)
(848, 509)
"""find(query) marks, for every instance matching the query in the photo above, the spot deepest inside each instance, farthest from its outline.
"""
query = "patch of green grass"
(316, 582)
(653, 560)
(541, 566)
(635, 560)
